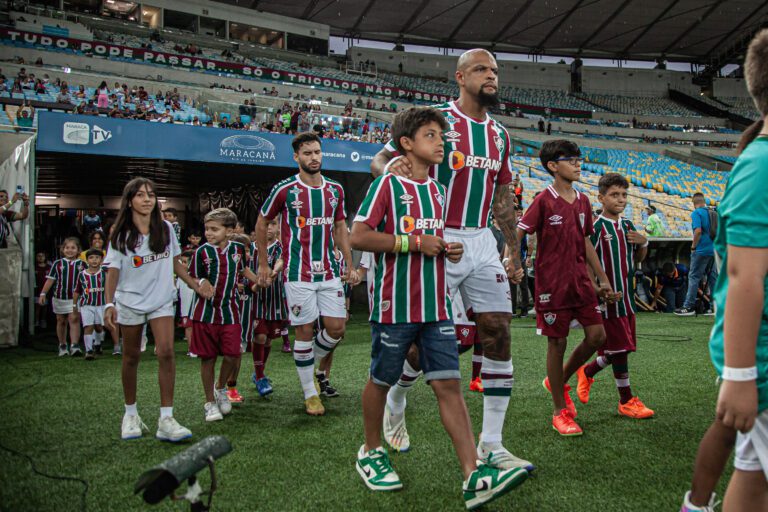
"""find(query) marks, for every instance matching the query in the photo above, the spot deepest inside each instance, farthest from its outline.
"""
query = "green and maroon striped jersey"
(90, 287)
(476, 161)
(408, 287)
(269, 303)
(617, 256)
(65, 272)
(307, 217)
(221, 267)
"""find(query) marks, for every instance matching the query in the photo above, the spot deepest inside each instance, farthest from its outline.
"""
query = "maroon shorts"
(556, 324)
(186, 322)
(211, 340)
(466, 334)
(619, 335)
(269, 328)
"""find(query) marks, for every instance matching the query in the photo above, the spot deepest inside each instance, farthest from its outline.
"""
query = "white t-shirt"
(187, 296)
(146, 279)
(368, 262)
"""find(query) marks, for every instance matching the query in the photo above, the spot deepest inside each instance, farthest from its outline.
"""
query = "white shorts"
(752, 447)
(62, 306)
(479, 275)
(128, 316)
(92, 315)
(307, 301)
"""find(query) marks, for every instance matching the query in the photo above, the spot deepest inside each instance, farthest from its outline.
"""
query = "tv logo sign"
(78, 133)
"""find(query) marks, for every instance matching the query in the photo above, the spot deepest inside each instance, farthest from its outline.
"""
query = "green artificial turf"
(65, 414)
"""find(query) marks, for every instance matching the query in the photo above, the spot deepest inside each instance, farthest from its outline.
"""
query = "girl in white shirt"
(142, 258)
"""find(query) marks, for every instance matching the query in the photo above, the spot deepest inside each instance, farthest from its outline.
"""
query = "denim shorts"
(438, 354)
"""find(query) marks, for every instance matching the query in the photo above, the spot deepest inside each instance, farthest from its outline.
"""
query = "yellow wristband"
(404, 247)
(398, 242)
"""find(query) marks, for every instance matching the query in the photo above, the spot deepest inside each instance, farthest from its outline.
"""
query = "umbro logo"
(452, 136)
(555, 220)
(406, 199)
(607, 237)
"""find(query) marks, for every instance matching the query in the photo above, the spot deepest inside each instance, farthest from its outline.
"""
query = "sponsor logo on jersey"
(408, 224)
(295, 190)
(555, 220)
(607, 237)
(550, 318)
(545, 297)
(297, 204)
(458, 160)
(302, 222)
(138, 261)
(451, 120)
(452, 136)
(406, 199)
(500, 278)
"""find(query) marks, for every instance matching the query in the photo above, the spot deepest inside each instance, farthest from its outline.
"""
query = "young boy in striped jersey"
(88, 298)
(216, 321)
(269, 310)
(619, 246)
(402, 220)
(311, 209)
(63, 274)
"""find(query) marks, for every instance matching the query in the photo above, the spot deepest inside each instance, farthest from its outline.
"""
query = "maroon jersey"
(562, 281)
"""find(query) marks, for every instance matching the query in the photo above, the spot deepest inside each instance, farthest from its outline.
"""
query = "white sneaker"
(144, 341)
(75, 351)
(690, 507)
(395, 432)
(222, 401)
(133, 427)
(190, 354)
(168, 429)
(63, 351)
(117, 350)
(212, 412)
(532, 311)
(500, 458)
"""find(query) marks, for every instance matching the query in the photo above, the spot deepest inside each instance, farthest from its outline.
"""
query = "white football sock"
(497, 383)
(397, 393)
(304, 359)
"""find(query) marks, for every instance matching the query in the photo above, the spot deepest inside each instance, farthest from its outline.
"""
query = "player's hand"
(42, 299)
(432, 245)
(528, 262)
(635, 237)
(264, 274)
(15, 197)
(353, 279)
(605, 292)
(110, 318)
(453, 251)
(401, 166)
(25, 199)
(240, 287)
(737, 404)
(205, 289)
(255, 288)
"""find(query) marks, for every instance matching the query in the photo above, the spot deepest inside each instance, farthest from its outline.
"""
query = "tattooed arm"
(506, 218)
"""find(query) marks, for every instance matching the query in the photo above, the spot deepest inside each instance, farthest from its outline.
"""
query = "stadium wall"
(515, 73)
(636, 82)
(730, 87)
(611, 116)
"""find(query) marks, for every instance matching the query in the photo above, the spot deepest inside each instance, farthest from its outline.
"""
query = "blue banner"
(93, 135)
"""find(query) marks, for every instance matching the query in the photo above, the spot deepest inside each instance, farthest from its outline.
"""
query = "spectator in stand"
(91, 221)
(142, 94)
(39, 87)
(237, 124)
(25, 115)
(702, 256)
(654, 226)
(91, 109)
(7, 216)
(80, 94)
(672, 284)
(102, 95)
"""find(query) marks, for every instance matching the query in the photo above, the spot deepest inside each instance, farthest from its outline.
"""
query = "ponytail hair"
(749, 135)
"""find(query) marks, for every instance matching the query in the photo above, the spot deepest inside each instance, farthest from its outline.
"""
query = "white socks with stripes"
(324, 344)
(397, 393)
(304, 359)
(497, 383)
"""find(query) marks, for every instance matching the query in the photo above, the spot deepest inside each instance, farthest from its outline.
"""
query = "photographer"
(7, 216)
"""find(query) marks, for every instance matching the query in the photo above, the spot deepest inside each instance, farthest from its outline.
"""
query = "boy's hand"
(635, 237)
(432, 245)
(352, 278)
(205, 289)
(605, 292)
(737, 404)
(240, 287)
(453, 251)
(264, 274)
(399, 166)
(515, 275)
(42, 299)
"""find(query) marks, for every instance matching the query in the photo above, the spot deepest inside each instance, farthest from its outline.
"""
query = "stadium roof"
(679, 30)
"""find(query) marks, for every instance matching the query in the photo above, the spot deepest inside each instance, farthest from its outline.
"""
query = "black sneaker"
(328, 390)
(97, 349)
(89, 355)
(322, 382)
(685, 312)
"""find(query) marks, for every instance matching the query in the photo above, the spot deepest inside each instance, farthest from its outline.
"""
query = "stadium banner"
(67, 133)
(116, 51)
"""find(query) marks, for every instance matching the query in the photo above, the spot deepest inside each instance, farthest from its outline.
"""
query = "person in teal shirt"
(738, 344)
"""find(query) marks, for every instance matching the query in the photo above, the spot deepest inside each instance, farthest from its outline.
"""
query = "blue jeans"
(438, 353)
(701, 265)
(674, 297)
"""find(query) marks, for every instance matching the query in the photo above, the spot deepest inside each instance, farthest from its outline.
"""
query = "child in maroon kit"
(561, 217)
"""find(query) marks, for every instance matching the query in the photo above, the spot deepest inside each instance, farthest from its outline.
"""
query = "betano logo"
(138, 261)
(302, 222)
(408, 224)
(458, 160)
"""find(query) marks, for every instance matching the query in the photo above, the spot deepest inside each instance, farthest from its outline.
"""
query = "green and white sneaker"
(485, 484)
(376, 470)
